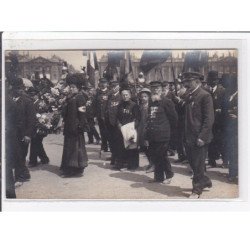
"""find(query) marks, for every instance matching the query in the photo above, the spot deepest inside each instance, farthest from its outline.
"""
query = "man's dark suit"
(25, 127)
(100, 105)
(199, 119)
(216, 146)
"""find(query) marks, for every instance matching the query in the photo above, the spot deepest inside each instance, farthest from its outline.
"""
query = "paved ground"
(100, 182)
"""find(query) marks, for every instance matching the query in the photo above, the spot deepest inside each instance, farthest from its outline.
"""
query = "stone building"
(166, 70)
(31, 67)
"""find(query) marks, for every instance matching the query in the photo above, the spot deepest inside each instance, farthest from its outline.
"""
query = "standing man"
(100, 105)
(25, 128)
(162, 117)
(199, 119)
(216, 147)
(111, 120)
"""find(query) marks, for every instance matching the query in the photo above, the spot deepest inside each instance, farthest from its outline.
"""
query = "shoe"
(179, 160)
(207, 184)
(69, 175)
(232, 179)
(45, 161)
(150, 170)
(194, 196)
(32, 165)
(22, 178)
(18, 184)
(224, 165)
(154, 181)
(116, 168)
(167, 181)
(212, 164)
(97, 142)
(108, 159)
(171, 152)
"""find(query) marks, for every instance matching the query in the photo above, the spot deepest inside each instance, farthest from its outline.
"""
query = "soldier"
(100, 105)
(111, 120)
(162, 117)
(215, 148)
(25, 128)
(199, 119)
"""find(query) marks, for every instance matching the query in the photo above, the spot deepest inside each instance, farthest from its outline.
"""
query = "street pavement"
(101, 182)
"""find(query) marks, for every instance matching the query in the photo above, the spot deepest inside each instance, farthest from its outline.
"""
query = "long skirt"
(74, 158)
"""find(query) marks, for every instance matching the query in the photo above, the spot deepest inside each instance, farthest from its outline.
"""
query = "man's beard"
(156, 97)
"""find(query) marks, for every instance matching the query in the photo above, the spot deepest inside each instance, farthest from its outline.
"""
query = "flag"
(126, 71)
(114, 62)
(115, 57)
(92, 68)
(152, 58)
(195, 61)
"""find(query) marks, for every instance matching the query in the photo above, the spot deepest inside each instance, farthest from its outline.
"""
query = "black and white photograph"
(121, 124)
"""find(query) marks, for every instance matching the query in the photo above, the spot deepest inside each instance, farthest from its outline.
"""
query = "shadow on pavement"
(141, 181)
(181, 170)
(50, 168)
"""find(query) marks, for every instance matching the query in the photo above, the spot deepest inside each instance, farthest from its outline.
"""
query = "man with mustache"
(199, 119)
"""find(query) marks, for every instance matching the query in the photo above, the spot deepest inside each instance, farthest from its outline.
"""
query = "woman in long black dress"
(74, 158)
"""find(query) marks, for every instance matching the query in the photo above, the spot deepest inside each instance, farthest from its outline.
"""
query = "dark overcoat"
(199, 117)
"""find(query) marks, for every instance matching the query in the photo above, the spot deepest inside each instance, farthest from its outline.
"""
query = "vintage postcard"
(121, 119)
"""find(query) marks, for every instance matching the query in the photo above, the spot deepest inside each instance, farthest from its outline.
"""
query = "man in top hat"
(162, 117)
(199, 119)
(100, 105)
(217, 91)
(25, 127)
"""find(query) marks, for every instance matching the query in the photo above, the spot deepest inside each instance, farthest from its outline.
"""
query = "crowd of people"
(194, 118)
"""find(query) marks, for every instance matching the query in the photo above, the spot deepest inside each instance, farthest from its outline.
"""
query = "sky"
(76, 58)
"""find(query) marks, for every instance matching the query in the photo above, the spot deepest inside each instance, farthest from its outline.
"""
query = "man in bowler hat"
(199, 119)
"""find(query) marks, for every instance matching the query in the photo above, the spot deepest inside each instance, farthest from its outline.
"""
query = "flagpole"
(175, 87)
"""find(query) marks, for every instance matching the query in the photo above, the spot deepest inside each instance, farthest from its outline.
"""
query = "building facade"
(32, 68)
(168, 69)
